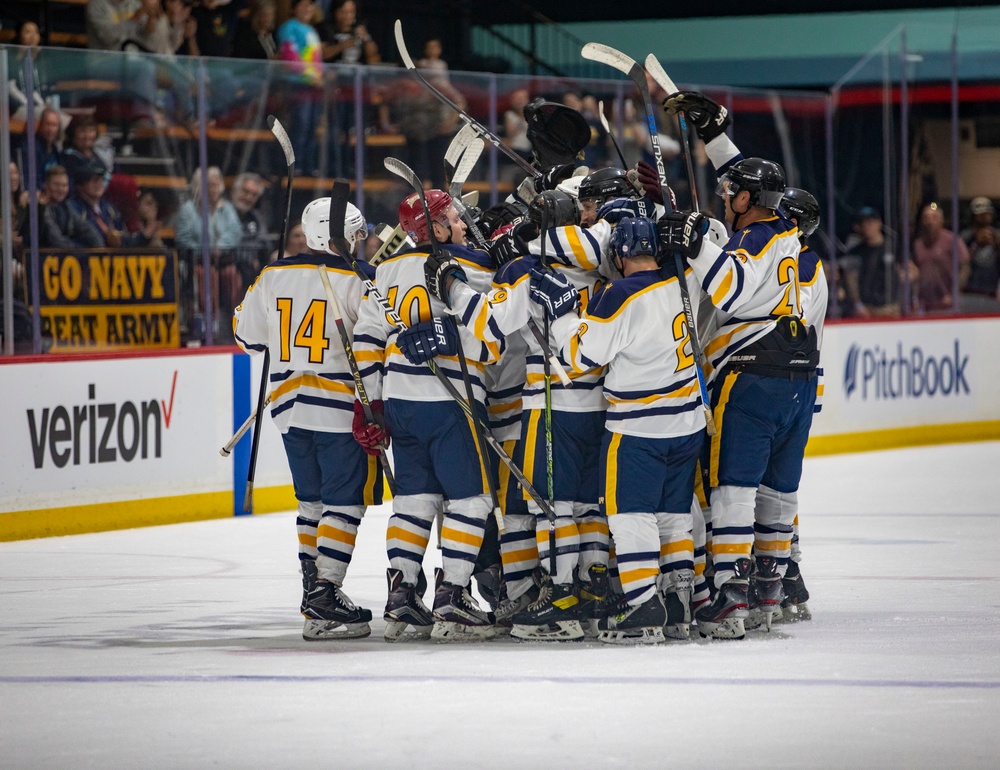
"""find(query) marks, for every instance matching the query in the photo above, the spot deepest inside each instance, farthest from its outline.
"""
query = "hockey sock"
(306, 524)
(637, 544)
(775, 513)
(593, 526)
(567, 542)
(700, 592)
(335, 538)
(462, 537)
(409, 531)
(732, 529)
(519, 552)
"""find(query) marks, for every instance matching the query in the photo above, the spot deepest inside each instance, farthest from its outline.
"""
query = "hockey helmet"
(557, 133)
(316, 225)
(801, 206)
(763, 179)
(412, 217)
(634, 237)
(606, 183)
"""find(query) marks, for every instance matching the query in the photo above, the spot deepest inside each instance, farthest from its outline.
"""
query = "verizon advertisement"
(893, 375)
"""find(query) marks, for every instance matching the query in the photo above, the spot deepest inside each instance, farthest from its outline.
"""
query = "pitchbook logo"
(885, 375)
(96, 432)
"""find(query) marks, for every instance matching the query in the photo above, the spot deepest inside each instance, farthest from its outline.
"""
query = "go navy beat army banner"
(100, 300)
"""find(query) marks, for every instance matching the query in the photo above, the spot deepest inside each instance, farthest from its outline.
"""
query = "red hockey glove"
(372, 436)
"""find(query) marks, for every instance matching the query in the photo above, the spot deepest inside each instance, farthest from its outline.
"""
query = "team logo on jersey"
(881, 374)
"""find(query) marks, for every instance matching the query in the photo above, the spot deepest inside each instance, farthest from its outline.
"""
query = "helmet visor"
(726, 188)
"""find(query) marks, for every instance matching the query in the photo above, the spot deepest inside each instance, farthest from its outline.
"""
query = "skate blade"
(590, 628)
(395, 631)
(646, 635)
(762, 618)
(730, 628)
(560, 631)
(330, 630)
(444, 631)
(792, 613)
(680, 631)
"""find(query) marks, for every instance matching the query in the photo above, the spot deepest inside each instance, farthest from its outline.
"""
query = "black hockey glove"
(551, 177)
(553, 291)
(708, 118)
(682, 231)
(513, 243)
(439, 270)
(496, 217)
(422, 341)
(617, 209)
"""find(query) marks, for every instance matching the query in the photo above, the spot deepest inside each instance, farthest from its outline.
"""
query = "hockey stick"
(662, 79)
(338, 207)
(476, 126)
(547, 378)
(286, 147)
(239, 434)
(393, 239)
(604, 122)
(637, 74)
(400, 169)
(456, 149)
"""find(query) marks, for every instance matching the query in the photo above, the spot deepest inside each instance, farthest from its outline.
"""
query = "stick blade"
(338, 208)
(656, 71)
(605, 54)
(400, 169)
(602, 116)
(282, 136)
(459, 143)
(401, 45)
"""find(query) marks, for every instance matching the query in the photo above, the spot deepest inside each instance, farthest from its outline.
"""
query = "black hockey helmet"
(803, 207)
(606, 183)
(557, 133)
(763, 179)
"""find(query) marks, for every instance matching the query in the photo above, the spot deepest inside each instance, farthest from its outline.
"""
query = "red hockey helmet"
(411, 213)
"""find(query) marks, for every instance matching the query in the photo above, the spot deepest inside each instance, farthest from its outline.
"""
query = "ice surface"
(180, 647)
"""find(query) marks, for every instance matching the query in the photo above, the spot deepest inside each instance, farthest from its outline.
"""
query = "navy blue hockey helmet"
(634, 237)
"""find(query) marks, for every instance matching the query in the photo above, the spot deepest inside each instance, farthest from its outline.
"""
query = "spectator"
(425, 124)
(81, 141)
(254, 242)
(871, 273)
(515, 130)
(19, 221)
(932, 254)
(88, 201)
(295, 243)
(149, 219)
(982, 240)
(255, 34)
(216, 20)
(299, 43)
(110, 23)
(345, 41)
(47, 143)
(60, 226)
(595, 154)
(29, 37)
(183, 27)
(152, 30)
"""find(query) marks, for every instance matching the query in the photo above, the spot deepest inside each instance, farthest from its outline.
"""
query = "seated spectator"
(47, 143)
(255, 34)
(148, 210)
(295, 243)
(81, 141)
(88, 200)
(19, 220)
(983, 242)
(60, 226)
(254, 244)
(933, 256)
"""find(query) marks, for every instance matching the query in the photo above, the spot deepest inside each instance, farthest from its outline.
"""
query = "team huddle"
(600, 403)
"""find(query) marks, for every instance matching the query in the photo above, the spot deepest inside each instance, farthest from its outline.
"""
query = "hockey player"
(436, 459)
(655, 428)
(285, 311)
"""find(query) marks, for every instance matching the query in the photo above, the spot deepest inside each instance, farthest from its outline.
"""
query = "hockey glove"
(551, 177)
(512, 243)
(427, 339)
(554, 292)
(649, 183)
(617, 209)
(708, 118)
(372, 436)
(440, 269)
(682, 231)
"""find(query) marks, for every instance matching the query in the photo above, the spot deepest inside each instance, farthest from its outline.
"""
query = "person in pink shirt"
(932, 254)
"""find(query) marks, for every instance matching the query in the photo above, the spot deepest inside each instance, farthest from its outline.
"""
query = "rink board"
(124, 440)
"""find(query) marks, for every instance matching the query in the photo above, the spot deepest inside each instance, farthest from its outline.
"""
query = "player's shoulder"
(809, 265)
(611, 298)
(754, 239)
(474, 258)
(513, 271)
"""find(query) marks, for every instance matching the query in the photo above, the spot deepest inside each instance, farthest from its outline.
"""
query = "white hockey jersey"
(384, 369)
(636, 326)
(287, 312)
(815, 295)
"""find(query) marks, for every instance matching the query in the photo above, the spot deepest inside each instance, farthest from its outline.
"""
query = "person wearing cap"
(871, 273)
(88, 201)
(932, 254)
(982, 240)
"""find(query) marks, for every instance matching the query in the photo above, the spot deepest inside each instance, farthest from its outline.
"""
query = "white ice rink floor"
(180, 647)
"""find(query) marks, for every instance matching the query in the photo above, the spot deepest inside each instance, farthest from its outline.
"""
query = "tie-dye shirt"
(300, 43)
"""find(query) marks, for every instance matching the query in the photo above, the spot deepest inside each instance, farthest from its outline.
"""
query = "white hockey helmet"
(571, 186)
(316, 225)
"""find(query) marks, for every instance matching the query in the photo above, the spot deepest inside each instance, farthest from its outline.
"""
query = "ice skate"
(406, 616)
(553, 616)
(794, 605)
(635, 624)
(765, 594)
(594, 598)
(331, 615)
(309, 577)
(678, 606)
(488, 583)
(723, 617)
(457, 617)
(508, 608)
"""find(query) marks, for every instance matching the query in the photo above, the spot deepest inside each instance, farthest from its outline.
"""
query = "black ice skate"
(594, 598)
(765, 594)
(796, 595)
(678, 604)
(723, 617)
(309, 577)
(635, 624)
(508, 608)
(406, 616)
(553, 616)
(457, 617)
(488, 582)
(330, 615)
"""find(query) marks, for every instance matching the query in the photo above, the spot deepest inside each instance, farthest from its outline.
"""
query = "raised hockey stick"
(478, 127)
(662, 79)
(614, 141)
(456, 148)
(286, 147)
(239, 434)
(393, 239)
(338, 206)
(403, 171)
(637, 74)
(547, 378)
(465, 165)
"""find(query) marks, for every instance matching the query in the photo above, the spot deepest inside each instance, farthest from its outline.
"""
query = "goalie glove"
(372, 436)
(554, 292)
(440, 269)
(682, 231)
(427, 339)
(709, 119)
